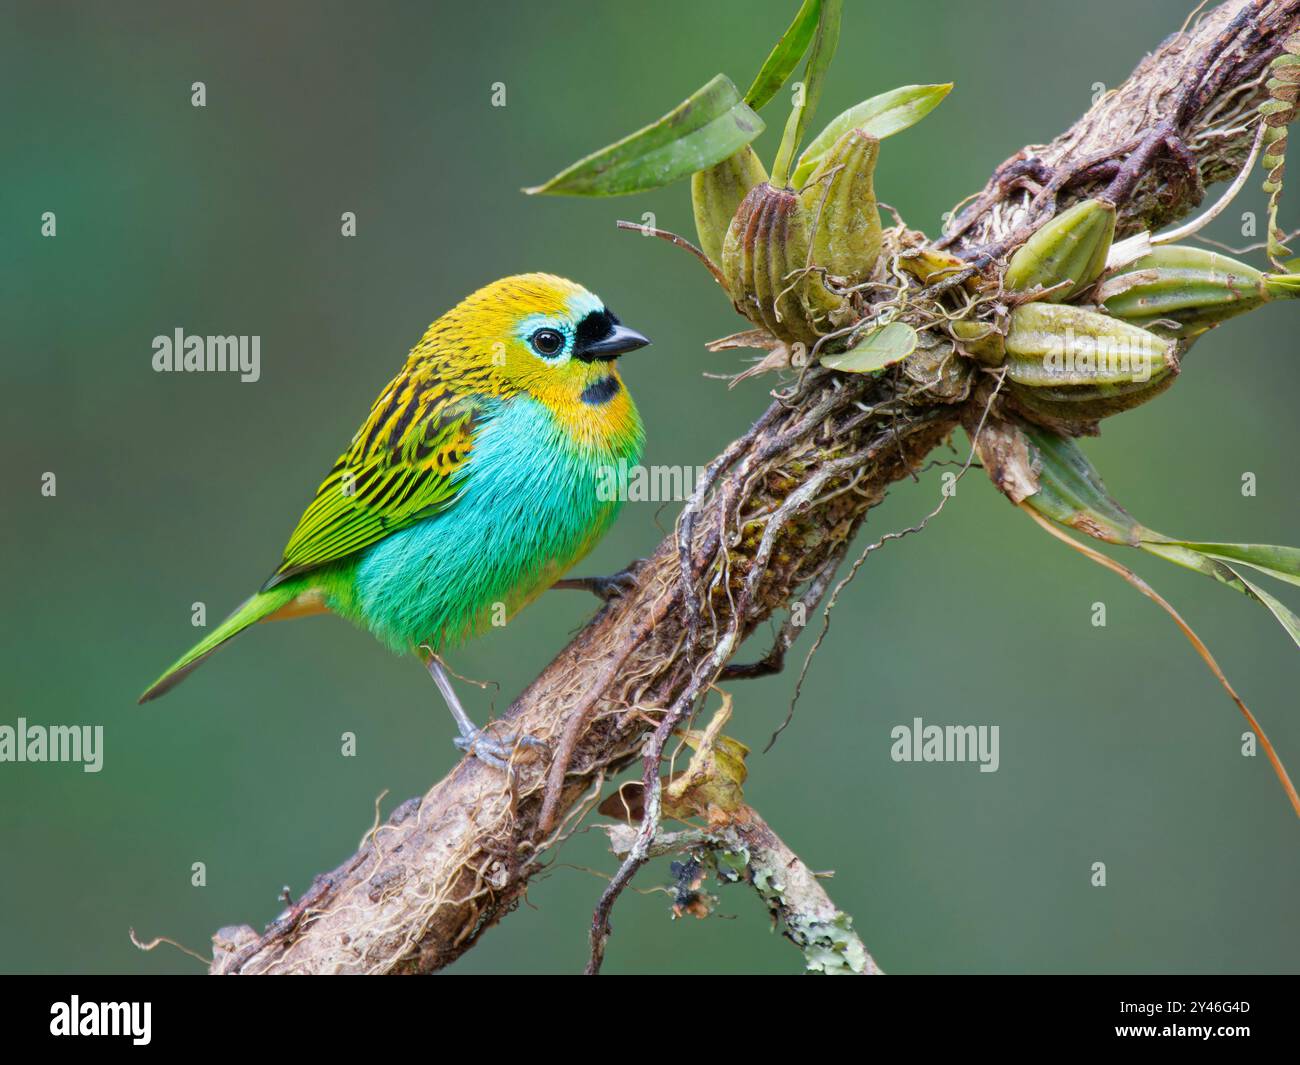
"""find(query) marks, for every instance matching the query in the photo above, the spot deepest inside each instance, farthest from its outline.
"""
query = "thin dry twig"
(1137, 582)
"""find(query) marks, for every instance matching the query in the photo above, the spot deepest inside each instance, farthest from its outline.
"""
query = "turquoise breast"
(528, 509)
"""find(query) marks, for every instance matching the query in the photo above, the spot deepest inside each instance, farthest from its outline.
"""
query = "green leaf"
(785, 56)
(1285, 616)
(881, 348)
(1071, 491)
(1277, 561)
(814, 76)
(881, 116)
(704, 129)
(1185, 555)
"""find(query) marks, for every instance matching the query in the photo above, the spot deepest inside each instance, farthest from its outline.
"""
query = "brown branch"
(1179, 119)
(748, 850)
(779, 503)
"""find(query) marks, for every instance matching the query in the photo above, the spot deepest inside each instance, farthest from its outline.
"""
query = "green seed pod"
(762, 258)
(1181, 291)
(1071, 247)
(1084, 406)
(716, 193)
(980, 340)
(1071, 367)
(840, 199)
(1053, 346)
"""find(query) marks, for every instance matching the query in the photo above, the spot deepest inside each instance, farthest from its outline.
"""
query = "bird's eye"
(547, 342)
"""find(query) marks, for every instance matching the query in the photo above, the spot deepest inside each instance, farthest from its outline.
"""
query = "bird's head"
(538, 334)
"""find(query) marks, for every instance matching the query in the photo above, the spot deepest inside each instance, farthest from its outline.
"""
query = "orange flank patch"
(302, 606)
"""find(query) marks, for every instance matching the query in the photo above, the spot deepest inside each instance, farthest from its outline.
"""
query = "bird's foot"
(495, 751)
(615, 586)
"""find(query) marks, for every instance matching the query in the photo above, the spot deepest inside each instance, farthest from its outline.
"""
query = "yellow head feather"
(534, 334)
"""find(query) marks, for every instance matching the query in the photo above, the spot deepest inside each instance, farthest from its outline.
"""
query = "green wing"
(400, 468)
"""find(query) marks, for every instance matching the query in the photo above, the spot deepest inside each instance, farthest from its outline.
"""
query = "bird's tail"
(258, 608)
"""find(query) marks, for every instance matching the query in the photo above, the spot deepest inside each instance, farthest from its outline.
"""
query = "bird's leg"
(473, 740)
(615, 586)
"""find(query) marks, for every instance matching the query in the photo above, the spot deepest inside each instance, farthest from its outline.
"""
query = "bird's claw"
(495, 751)
(607, 589)
(616, 585)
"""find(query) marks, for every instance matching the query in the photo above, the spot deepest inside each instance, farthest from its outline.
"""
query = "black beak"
(618, 341)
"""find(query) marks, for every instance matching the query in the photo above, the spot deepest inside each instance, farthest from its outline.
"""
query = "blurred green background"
(1116, 744)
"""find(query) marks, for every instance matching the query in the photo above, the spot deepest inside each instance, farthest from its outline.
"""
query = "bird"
(472, 486)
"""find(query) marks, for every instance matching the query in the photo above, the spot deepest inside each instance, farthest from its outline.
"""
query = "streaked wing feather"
(402, 466)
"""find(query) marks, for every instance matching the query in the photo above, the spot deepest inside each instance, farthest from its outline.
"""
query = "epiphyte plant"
(1055, 332)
